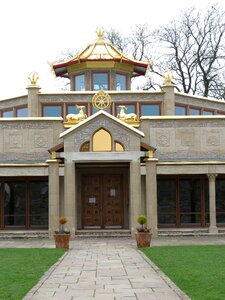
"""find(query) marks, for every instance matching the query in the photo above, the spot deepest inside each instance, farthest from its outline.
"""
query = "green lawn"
(20, 269)
(199, 271)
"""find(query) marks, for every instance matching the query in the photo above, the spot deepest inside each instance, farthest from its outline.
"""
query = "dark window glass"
(150, 110)
(7, 114)
(22, 112)
(80, 83)
(129, 109)
(52, 111)
(15, 204)
(100, 81)
(38, 192)
(166, 194)
(190, 200)
(220, 202)
(180, 110)
(120, 82)
(194, 111)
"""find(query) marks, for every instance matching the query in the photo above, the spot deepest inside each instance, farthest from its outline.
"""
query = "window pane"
(21, 112)
(209, 113)
(72, 109)
(129, 109)
(180, 110)
(15, 203)
(38, 204)
(7, 114)
(150, 110)
(190, 195)
(220, 203)
(166, 194)
(80, 83)
(120, 82)
(100, 81)
(194, 111)
(52, 111)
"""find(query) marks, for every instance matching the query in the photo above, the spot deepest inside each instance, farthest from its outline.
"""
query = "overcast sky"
(35, 32)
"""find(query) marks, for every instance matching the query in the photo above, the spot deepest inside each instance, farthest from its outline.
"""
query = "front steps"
(103, 233)
(84, 233)
(188, 232)
(23, 234)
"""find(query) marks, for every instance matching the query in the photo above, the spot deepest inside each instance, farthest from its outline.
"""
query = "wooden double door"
(102, 201)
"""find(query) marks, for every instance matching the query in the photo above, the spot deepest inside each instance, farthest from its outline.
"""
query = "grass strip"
(199, 271)
(21, 269)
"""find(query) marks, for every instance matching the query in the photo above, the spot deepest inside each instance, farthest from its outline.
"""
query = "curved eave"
(139, 67)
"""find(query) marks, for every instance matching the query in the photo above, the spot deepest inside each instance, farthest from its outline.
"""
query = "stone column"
(135, 194)
(54, 187)
(151, 194)
(212, 203)
(33, 104)
(70, 196)
(169, 96)
(169, 100)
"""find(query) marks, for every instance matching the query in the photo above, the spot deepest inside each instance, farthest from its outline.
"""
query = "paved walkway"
(104, 269)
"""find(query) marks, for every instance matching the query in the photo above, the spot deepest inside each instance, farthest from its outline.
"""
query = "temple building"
(101, 154)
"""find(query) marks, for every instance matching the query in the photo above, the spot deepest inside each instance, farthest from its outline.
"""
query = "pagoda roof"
(100, 51)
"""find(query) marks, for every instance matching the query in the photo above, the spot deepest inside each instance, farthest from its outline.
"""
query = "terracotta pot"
(143, 239)
(62, 240)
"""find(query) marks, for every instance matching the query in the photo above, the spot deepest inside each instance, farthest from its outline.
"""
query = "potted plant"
(62, 235)
(143, 235)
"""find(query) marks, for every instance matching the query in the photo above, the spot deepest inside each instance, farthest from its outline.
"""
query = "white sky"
(35, 32)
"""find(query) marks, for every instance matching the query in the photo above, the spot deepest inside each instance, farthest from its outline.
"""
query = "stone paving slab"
(104, 268)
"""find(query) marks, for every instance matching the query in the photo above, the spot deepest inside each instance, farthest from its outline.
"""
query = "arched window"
(102, 141)
(85, 147)
(119, 147)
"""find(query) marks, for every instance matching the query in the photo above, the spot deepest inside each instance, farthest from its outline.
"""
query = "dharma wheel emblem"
(101, 100)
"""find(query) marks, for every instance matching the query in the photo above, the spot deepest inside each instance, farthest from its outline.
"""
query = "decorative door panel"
(92, 205)
(102, 201)
(112, 208)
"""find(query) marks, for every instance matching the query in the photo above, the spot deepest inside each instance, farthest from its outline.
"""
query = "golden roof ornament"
(168, 77)
(101, 100)
(100, 33)
(33, 77)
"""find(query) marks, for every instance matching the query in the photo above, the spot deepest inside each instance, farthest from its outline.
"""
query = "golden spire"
(168, 77)
(100, 33)
(33, 77)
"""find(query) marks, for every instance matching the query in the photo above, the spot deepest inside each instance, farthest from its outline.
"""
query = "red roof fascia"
(141, 64)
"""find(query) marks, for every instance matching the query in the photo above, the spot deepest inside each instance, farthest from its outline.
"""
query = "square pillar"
(53, 195)
(151, 195)
(70, 196)
(135, 194)
(212, 203)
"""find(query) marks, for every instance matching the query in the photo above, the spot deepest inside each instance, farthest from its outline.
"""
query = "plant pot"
(143, 239)
(62, 240)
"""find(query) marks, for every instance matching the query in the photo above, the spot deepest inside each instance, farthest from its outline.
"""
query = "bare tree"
(196, 44)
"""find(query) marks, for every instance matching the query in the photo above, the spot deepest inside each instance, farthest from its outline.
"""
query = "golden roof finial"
(168, 77)
(100, 32)
(33, 77)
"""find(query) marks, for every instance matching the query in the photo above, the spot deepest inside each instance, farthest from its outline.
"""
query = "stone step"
(188, 232)
(103, 233)
(23, 234)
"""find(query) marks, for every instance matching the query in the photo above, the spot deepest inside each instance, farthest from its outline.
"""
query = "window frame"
(126, 81)
(100, 72)
(80, 74)
(52, 104)
(159, 104)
